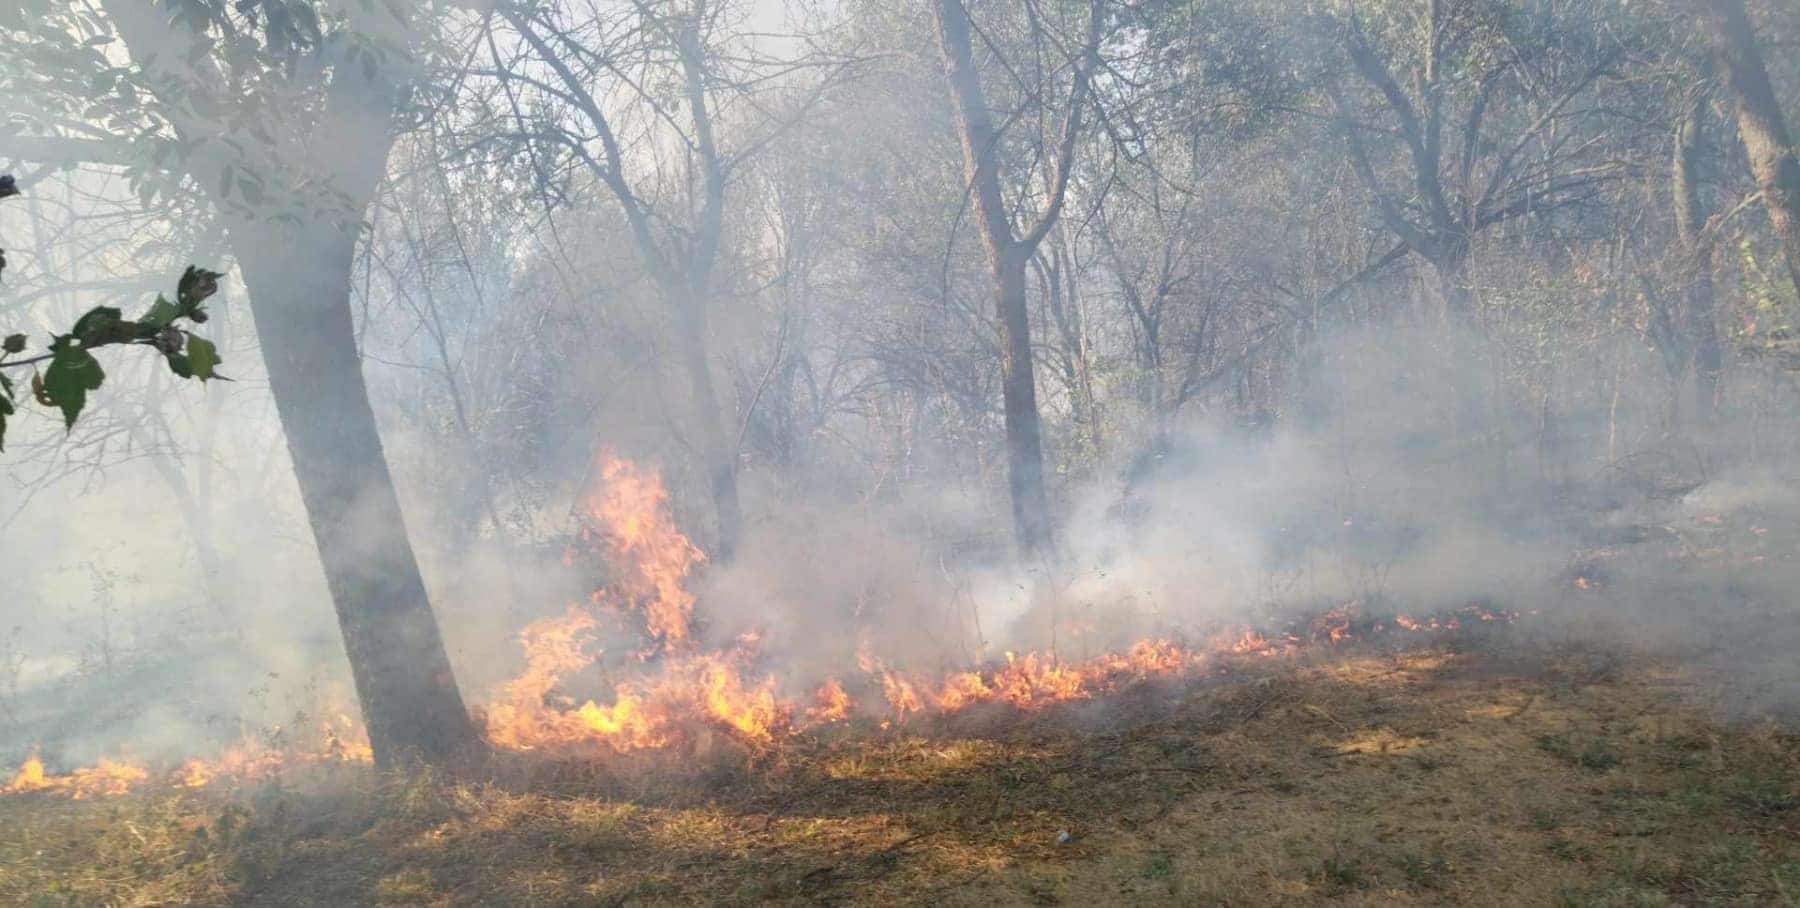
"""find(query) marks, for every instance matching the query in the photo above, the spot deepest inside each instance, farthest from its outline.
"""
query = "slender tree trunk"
(1007, 258)
(1760, 125)
(718, 449)
(1452, 271)
(299, 283)
(1018, 385)
(1699, 314)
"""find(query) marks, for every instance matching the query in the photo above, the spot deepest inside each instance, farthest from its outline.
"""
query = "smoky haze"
(1250, 409)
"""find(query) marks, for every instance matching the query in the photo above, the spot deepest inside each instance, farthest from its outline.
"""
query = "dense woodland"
(859, 254)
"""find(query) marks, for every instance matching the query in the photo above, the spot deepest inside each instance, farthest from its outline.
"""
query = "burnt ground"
(1501, 765)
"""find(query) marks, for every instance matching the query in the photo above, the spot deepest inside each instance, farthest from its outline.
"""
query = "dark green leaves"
(161, 313)
(101, 325)
(73, 371)
(196, 285)
(72, 374)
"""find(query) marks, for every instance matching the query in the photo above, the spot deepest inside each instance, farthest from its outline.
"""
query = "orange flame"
(831, 703)
(107, 777)
(675, 691)
(631, 507)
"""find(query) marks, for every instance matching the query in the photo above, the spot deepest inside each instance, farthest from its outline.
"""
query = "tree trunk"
(1452, 271)
(299, 283)
(1699, 314)
(1024, 428)
(1007, 258)
(1760, 125)
(299, 279)
(718, 450)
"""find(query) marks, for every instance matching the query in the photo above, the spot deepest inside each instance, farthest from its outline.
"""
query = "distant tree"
(1767, 143)
(701, 101)
(1464, 120)
(1694, 244)
(1059, 95)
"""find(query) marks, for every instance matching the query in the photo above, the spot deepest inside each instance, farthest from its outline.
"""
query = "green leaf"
(95, 321)
(178, 364)
(161, 313)
(73, 372)
(202, 356)
(15, 343)
(6, 409)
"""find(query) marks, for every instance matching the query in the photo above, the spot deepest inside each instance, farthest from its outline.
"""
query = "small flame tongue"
(630, 510)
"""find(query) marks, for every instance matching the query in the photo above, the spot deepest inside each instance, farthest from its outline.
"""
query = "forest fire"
(338, 741)
(636, 534)
(104, 778)
(672, 692)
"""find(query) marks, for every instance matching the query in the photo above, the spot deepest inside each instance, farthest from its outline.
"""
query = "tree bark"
(1007, 256)
(718, 451)
(299, 275)
(299, 283)
(1018, 388)
(1764, 132)
(1452, 270)
(1699, 315)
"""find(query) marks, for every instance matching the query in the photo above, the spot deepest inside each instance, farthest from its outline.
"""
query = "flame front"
(684, 691)
(107, 777)
(676, 693)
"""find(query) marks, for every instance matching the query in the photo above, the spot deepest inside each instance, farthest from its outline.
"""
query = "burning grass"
(1370, 759)
(1482, 769)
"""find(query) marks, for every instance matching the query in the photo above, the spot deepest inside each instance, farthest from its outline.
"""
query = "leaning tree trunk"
(299, 277)
(299, 283)
(1760, 124)
(1699, 312)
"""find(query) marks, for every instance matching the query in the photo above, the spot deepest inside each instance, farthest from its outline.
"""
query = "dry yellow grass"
(1480, 772)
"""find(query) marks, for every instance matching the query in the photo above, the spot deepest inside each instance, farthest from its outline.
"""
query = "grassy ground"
(1505, 769)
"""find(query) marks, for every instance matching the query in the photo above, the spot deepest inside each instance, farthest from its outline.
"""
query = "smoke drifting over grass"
(1401, 480)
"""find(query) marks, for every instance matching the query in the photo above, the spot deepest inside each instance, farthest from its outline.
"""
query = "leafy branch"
(72, 370)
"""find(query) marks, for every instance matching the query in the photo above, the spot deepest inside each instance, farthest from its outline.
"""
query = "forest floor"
(1496, 766)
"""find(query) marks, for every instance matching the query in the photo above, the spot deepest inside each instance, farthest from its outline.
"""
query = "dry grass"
(1486, 772)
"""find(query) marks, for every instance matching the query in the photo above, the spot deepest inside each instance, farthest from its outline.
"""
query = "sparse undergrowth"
(1492, 771)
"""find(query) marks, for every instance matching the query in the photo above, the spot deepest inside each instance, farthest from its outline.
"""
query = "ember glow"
(675, 693)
